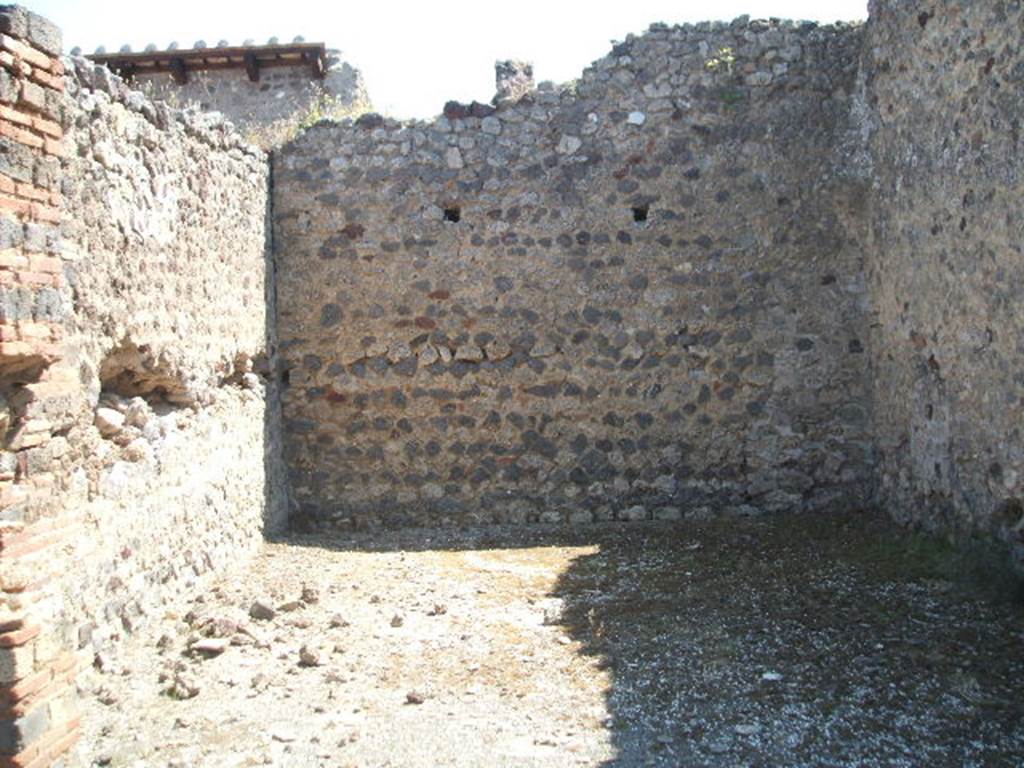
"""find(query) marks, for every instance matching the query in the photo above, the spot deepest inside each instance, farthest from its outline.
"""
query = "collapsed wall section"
(946, 260)
(630, 297)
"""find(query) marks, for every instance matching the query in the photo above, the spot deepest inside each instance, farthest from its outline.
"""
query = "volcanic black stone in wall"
(647, 307)
(946, 264)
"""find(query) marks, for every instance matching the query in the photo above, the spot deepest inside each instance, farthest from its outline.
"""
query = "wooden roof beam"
(253, 59)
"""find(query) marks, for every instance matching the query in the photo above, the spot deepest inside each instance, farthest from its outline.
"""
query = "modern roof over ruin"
(252, 58)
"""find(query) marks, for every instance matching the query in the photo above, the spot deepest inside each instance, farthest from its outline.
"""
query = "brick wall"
(31, 84)
(38, 718)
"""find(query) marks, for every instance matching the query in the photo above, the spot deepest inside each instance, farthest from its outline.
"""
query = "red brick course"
(27, 124)
(56, 742)
(34, 680)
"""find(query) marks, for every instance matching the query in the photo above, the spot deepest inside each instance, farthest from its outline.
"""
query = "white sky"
(415, 55)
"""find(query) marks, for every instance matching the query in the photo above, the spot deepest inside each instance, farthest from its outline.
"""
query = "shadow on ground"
(800, 641)
(791, 641)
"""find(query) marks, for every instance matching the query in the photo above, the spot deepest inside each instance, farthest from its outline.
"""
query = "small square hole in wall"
(640, 212)
(453, 214)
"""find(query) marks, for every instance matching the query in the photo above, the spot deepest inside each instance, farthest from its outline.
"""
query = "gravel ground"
(763, 642)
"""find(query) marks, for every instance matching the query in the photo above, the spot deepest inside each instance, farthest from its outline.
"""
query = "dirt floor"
(762, 642)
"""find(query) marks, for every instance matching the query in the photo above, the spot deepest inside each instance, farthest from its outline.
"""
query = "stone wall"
(140, 441)
(631, 297)
(165, 222)
(947, 265)
(733, 268)
(267, 109)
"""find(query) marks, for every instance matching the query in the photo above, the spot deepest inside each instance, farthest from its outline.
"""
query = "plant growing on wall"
(322, 106)
(722, 61)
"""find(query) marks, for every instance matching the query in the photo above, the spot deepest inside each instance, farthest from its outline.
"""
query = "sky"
(415, 56)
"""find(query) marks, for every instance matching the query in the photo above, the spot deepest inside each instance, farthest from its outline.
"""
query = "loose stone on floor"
(790, 641)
